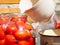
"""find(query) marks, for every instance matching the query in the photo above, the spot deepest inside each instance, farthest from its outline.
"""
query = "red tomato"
(1, 28)
(2, 42)
(57, 25)
(31, 41)
(2, 34)
(11, 29)
(4, 26)
(23, 42)
(14, 18)
(11, 44)
(10, 39)
(23, 18)
(28, 27)
(4, 19)
(21, 35)
(0, 20)
(20, 25)
(15, 44)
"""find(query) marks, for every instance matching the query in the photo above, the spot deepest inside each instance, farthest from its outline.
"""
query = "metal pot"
(50, 37)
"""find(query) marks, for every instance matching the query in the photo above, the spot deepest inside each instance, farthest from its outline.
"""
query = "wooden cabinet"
(9, 10)
(9, 1)
(9, 6)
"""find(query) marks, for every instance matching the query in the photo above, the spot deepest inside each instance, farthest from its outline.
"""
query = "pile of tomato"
(57, 25)
(15, 30)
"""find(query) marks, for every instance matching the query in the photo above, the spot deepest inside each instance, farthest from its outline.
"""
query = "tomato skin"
(11, 44)
(4, 26)
(31, 41)
(28, 27)
(22, 35)
(11, 29)
(4, 19)
(2, 42)
(57, 25)
(23, 18)
(19, 18)
(1, 28)
(14, 44)
(10, 39)
(20, 25)
(14, 18)
(2, 34)
(23, 42)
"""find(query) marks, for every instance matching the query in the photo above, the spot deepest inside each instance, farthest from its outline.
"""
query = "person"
(40, 11)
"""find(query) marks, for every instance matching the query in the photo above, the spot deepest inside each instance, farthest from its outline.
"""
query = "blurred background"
(58, 7)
